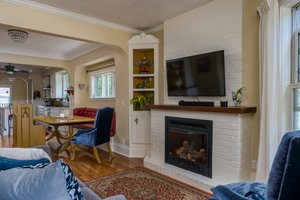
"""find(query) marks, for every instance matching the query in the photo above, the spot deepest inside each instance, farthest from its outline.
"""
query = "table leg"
(51, 136)
(57, 134)
(68, 142)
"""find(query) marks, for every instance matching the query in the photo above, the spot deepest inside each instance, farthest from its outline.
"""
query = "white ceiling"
(129, 14)
(137, 14)
(44, 46)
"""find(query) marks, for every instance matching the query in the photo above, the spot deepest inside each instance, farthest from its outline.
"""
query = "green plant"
(142, 102)
(237, 96)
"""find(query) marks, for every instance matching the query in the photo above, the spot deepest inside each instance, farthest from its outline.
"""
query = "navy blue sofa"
(284, 178)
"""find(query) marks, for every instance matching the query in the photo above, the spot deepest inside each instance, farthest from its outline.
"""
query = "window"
(5, 94)
(102, 83)
(295, 80)
(65, 85)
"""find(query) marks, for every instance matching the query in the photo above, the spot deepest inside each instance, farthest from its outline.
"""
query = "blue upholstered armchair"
(100, 134)
(284, 177)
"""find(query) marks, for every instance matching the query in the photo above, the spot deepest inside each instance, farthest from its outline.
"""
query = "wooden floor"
(85, 166)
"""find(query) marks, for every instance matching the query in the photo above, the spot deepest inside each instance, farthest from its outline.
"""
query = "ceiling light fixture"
(18, 36)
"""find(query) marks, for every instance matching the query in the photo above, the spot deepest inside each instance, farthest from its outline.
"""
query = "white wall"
(214, 26)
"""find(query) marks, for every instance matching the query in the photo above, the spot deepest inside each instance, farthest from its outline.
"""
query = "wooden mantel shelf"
(218, 109)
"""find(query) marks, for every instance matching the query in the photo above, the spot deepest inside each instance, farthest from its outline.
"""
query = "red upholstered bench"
(91, 113)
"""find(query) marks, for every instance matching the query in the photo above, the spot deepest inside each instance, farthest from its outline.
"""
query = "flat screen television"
(198, 75)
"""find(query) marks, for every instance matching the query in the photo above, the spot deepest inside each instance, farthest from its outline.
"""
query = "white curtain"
(269, 86)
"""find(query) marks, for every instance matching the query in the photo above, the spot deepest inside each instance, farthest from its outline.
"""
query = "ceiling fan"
(10, 69)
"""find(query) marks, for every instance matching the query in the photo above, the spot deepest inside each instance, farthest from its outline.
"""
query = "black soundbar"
(196, 103)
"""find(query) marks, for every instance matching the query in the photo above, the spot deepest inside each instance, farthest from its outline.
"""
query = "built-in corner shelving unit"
(143, 82)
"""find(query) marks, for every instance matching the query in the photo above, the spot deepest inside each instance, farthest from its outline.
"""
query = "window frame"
(295, 66)
(10, 94)
(100, 72)
(294, 82)
(64, 89)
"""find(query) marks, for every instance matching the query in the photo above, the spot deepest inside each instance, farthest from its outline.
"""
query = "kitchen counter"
(40, 106)
(52, 110)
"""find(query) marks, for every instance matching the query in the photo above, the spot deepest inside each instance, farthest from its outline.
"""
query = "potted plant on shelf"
(142, 102)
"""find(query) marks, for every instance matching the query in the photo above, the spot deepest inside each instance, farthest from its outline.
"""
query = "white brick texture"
(214, 26)
(231, 148)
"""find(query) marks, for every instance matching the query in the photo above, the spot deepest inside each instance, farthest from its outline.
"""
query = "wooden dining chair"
(93, 137)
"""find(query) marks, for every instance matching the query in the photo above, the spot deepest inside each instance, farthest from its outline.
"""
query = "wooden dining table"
(57, 122)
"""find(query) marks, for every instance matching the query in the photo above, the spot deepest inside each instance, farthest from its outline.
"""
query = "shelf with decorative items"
(143, 88)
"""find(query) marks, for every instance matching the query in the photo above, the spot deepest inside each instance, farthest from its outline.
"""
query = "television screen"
(199, 75)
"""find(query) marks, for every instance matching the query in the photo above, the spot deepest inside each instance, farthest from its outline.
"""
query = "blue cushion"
(100, 134)
(46, 183)
(240, 191)
(8, 163)
(278, 166)
(291, 176)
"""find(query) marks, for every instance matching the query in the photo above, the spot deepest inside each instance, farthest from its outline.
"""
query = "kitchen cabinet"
(56, 85)
(53, 85)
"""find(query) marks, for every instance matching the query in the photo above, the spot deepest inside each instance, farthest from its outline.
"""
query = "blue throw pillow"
(8, 163)
(72, 183)
(46, 183)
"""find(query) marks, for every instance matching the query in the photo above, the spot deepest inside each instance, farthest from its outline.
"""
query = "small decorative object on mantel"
(144, 65)
(237, 96)
(224, 102)
(70, 90)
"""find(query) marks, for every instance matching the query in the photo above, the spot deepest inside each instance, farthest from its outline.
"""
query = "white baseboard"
(138, 151)
(121, 149)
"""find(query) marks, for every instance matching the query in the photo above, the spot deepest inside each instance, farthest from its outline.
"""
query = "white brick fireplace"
(231, 158)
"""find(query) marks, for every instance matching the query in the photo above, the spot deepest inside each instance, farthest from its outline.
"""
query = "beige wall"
(37, 81)
(121, 102)
(33, 61)
(51, 71)
(18, 86)
(251, 65)
(160, 36)
(82, 97)
(30, 19)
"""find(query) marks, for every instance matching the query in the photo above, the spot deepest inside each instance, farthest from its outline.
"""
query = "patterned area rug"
(144, 184)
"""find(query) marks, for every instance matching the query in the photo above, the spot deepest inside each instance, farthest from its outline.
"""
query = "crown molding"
(143, 38)
(155, 29)
(72, 15)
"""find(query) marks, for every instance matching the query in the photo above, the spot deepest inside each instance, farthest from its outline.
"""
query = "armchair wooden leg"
(109, 151)
(72, 151)
(96, 155)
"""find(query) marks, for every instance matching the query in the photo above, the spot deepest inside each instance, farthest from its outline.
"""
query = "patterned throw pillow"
(9, 163)
(72, 183)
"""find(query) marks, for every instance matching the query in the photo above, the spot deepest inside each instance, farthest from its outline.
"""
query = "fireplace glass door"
(189, 144)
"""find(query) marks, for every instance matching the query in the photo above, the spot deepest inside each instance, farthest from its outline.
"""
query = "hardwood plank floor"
(5, 141)
(85, 166)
